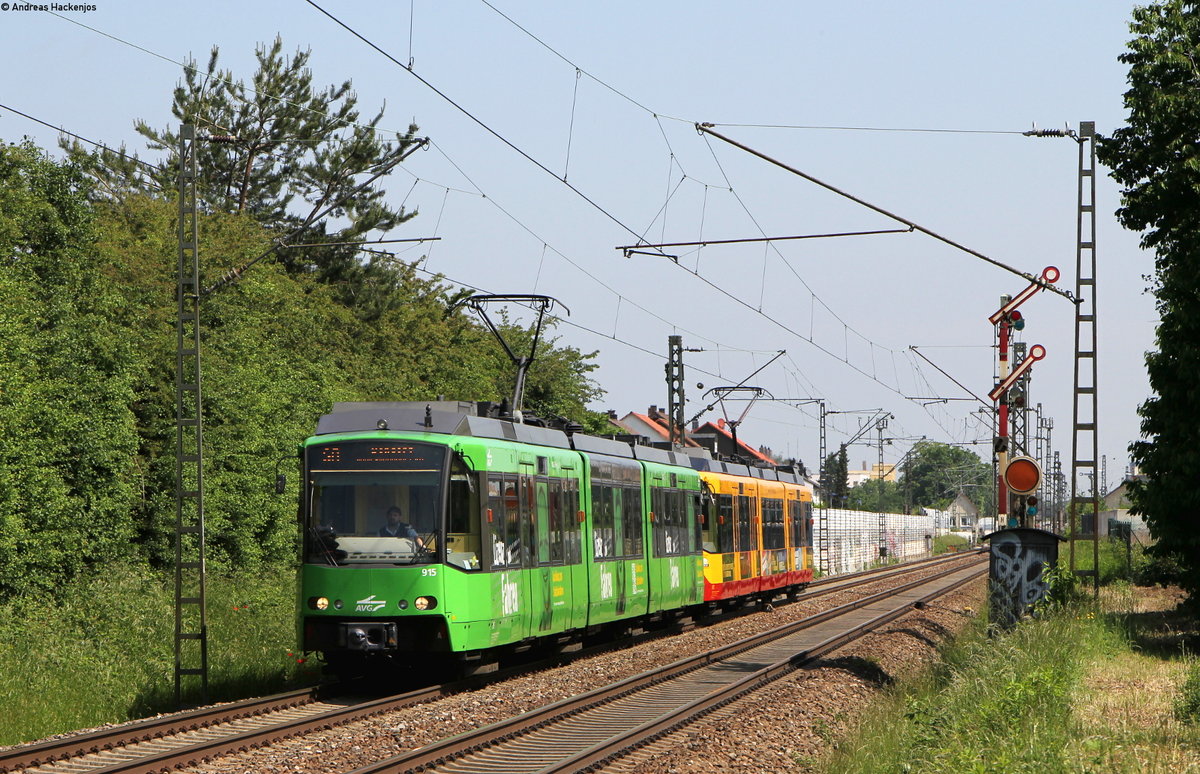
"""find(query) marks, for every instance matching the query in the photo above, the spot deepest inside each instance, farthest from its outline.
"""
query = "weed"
(1187, 703)
(101, 649)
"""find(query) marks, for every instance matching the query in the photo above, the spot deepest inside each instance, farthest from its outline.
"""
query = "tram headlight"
(318, 603)
(425, 603)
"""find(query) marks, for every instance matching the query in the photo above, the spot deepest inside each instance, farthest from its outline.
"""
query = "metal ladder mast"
(1039, 454)
(1085, 442)
(880, 425)
(675, 394)
(1018, 422)
(823, 511)
(191, 626)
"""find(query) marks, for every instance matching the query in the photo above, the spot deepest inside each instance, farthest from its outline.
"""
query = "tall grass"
(101, 650)
(999, 703)
(1118, 560)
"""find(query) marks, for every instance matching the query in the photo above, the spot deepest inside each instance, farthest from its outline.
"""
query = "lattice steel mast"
(191, 625)
(1085, 442)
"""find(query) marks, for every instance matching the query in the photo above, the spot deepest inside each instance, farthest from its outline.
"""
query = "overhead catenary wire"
(619, 298)
(196, 69)
(564, 58)
(233, 274)
(707, 129)
(898, 129)
(486, 127)
(575, 264)
(589, 75)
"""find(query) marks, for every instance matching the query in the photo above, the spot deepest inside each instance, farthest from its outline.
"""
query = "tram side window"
(462, 540)
(682, 533)
(602, 521)
(631, 518)
(772, 523)
(794, 523)
(658, 515)
(497, 555)
(526, 545)
(696, 513)
(724, 524)
(671, 533)
(554, 515)
(512, 525)
(808, 524)
(745, 525)
(572, 545)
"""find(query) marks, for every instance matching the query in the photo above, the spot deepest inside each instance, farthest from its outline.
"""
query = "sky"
(563, 131)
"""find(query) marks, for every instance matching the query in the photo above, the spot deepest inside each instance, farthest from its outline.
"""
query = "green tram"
(512, 536)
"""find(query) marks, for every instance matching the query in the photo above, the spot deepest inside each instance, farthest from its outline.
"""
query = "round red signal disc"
(1022, 475)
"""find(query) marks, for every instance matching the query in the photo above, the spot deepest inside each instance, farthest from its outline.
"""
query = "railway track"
(585, 732)
(169, 742)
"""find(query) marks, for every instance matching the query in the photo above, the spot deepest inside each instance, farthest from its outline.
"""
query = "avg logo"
(370, 604)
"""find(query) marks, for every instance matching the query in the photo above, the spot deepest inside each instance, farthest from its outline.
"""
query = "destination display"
(376, 456)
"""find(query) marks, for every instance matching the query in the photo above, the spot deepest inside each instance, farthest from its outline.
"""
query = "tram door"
(531, 610)
(549, 601)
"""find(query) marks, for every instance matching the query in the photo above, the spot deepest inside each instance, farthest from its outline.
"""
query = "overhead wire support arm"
(632, 249)
(368, 242)
(757, 371)
(942, 371)
(706, 128)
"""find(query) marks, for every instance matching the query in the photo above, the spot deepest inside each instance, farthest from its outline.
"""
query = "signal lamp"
(337, 604)
(402, 604)
(1022, 475)
(1031, 506)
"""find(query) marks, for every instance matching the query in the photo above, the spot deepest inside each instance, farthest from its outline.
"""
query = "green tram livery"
(509, 537)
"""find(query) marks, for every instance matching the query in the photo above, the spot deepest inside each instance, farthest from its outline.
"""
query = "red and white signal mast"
(1020, 475)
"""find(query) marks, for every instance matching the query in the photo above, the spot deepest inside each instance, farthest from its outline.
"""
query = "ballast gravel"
(779, 729)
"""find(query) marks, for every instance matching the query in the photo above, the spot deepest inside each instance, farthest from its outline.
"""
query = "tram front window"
(374, 513)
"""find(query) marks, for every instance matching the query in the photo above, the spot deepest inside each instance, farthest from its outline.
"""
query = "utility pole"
(881, 425)
(1086, 413)
(191, 624)
(675, 387)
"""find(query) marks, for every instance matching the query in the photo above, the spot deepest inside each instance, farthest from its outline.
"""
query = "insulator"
(226, 138)
(1047, 133)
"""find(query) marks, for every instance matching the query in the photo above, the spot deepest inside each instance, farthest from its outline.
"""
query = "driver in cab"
(397, 527)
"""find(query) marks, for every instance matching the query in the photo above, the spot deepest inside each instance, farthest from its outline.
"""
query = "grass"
(947, 542)
(1117, 560)
(1090, 687)
(101, 650)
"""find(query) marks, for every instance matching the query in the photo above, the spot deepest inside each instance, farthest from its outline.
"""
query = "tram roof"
(461, 418)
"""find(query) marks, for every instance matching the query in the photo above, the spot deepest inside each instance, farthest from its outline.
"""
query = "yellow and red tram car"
(756, 532)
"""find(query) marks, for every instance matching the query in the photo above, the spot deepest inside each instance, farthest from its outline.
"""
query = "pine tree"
(835, 481)
(285, 151)
(1156, 158)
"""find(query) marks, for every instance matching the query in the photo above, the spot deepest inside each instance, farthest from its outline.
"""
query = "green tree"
(1156, 159)
(934, 473)
(835, 482)
(876, 495)
(67, 437)
(289, 151)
